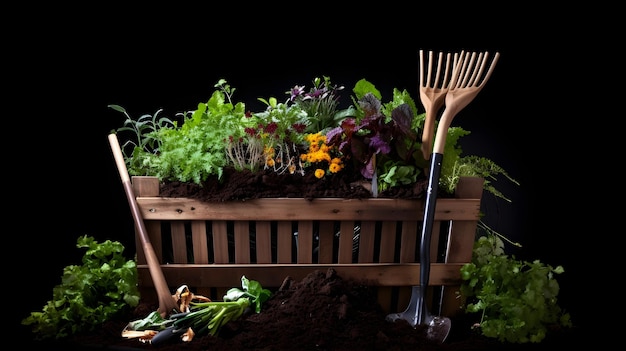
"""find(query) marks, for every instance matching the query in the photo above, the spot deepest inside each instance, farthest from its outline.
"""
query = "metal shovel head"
(438, 327)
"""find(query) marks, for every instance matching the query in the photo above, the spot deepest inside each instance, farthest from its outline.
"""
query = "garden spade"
(167, 305)
(467, 80)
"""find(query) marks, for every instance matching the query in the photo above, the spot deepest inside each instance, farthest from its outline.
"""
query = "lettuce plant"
(88, 295)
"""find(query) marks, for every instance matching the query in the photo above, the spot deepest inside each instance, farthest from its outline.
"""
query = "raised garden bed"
(210, 245)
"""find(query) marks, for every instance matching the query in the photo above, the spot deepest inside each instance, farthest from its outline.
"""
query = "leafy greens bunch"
(515, 299)
(88, 295)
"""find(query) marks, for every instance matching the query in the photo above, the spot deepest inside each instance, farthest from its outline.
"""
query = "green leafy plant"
(88, 295)
(516, 300)
(368, 138)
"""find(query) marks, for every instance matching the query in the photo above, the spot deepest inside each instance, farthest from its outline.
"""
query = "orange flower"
(319, 173)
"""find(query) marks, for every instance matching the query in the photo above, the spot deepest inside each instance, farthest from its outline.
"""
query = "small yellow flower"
(334, 168)
(319, 173)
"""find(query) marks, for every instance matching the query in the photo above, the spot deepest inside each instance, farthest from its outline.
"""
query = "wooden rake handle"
(167, 305)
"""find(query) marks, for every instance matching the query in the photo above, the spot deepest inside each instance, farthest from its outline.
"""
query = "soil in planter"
(244, 185)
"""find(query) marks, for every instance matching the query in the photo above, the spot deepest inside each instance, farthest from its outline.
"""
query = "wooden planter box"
(209, 246)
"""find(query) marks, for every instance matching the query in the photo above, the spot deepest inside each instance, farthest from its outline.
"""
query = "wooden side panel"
(256, 238)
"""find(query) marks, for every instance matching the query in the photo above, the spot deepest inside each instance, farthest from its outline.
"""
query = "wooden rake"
(167, 304)
(467, 80)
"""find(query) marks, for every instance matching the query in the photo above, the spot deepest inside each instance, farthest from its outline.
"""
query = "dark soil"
(245, 185)
(321, 312)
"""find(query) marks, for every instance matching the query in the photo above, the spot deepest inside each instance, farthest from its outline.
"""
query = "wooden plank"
(263, 242)
(220, 242)
(164, 208)
(326, 241)
(387, 241)
(156, 238)
(284, 237)
(346, 235)
(145, 186)
(367, 237)
(374, 274)
(384, 296)
(242, 242)
(461, 241)
(179, 243)
(435, 236)
(305, 242)
(451, 301)
(408, 241)
(199, 241)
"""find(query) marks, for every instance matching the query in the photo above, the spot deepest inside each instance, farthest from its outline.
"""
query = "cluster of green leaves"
(206, 317)
(378, 138)
(88, 295)
(193, 151)
(515, 299)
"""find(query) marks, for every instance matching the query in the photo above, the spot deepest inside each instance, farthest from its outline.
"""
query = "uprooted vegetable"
(203, 317)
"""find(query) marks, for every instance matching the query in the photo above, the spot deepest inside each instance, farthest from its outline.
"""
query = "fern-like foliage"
(456, 166)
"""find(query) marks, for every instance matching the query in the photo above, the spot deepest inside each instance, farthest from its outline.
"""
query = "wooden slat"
(367, 236)
(263, 242)
(220, 242)
(377, 274)
(284, 236)
(165, 208)
(387, 242)
(346, 233)
(179, 243)
(409, 241)
(326, 236)
(199, 241)
(385, 297)
(305, 242)
(156, 238)
(435, 236)
(242, 242)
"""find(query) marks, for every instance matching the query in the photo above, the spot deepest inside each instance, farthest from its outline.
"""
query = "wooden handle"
(167, 305)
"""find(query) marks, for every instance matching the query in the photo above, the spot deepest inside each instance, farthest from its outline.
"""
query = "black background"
(67, 71)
